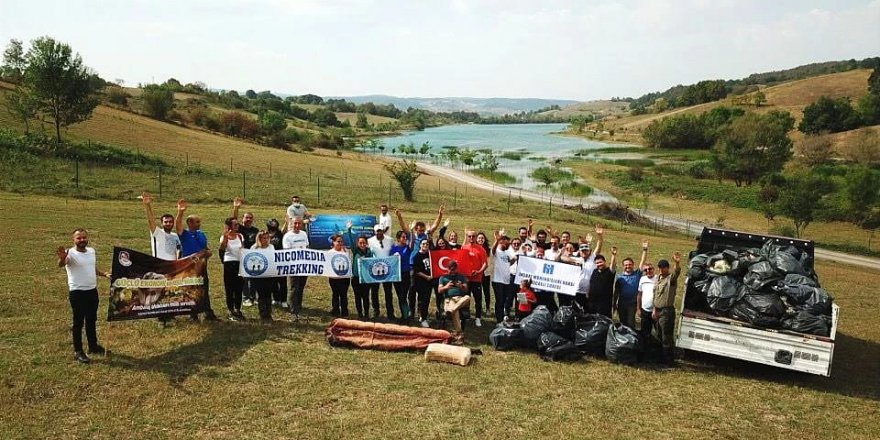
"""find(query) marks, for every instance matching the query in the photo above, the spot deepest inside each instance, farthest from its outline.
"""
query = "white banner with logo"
(549, 276)
(267, 263)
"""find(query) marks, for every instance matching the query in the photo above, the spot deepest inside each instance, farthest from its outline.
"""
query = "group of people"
(600, 288)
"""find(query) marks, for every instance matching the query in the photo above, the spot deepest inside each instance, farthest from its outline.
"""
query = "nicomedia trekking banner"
(379, 269)
(269, 262)
(142, 286)
(322, 229)
(550, 276)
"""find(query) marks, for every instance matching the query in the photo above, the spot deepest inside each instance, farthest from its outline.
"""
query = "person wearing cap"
(276, 239)
(295, 238)
(194, 241)
(454, 287)
(626, 289)
(664, 306)
(380, 245)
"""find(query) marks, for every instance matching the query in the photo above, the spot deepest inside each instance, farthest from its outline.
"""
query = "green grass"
(631, 162)
(609, 150)
(514, 155)
(495, 176)
(245, 380)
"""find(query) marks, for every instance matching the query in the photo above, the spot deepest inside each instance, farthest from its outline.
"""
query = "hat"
(378, 228)
(662, 263)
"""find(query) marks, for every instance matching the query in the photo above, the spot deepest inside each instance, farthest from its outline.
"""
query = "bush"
(240, 125)
(158, 101)
(831, 115)
(118, 96)
(636, 173)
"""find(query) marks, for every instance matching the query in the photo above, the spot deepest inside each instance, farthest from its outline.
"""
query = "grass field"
(246, 380)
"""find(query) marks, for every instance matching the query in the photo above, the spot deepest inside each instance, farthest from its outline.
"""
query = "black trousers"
(339, 301)
(279, 290)
(601, 304)
(402, 290)
(233, 285)
(208, 310)
(487, 283)
(423, 288)
(295, 288)
(361, 297)
(84, 304)
(263, 289)
(389, 298)
(475, 288)
(547, 299)
(647, 324)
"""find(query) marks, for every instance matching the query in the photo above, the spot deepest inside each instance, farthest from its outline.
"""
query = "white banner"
(549, 276)
(266, 263)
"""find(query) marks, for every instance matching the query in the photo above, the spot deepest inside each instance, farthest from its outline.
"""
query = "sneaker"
(478, 323)
(284, 305)
(247, 303)
(98, 350)
(81, 357)
(276, 303)
(425, 323)
(233, 317)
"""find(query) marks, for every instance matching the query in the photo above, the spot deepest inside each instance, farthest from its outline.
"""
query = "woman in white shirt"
(230, 249)
(645, 299)
(339, 285)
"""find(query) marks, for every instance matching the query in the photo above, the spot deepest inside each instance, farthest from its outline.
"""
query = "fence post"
(187, 161)
(230, 164)
(244, 185)
(319, 185)
(270, 170)
(160, 182)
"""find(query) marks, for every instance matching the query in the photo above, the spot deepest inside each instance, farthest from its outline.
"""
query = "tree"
(862, 148)
(489, 162)
(13, 62)
(768, 196)
(831, 115)
(759, 98)
(869, 108)
(814, 150)
(874, 81)
(423, 150)
(862, 198)
(250, 94)
(158, 101)
(22, 105)
(801, 198)
(272, 122)
(752, 146)
(62, 88)
(405, 173)
(362, 122)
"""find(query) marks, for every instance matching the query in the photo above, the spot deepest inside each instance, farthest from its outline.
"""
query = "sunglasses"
(649, 269)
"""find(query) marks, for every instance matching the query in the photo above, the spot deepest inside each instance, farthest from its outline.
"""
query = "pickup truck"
(701, 331)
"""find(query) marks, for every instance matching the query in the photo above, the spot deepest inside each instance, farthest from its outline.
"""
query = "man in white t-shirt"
(298, 210)
(380, 246)
(588, 255)
(645, 299)
(164, 242)
(295, 238)
(82, 281)
(502, 255)
(385, 219)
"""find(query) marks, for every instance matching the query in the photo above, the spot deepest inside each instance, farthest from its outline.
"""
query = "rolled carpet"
(377, 336)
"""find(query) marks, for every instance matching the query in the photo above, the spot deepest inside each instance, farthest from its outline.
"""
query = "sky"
(580, 50)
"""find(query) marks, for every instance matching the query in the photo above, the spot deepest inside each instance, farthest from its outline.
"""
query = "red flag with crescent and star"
(440, 262)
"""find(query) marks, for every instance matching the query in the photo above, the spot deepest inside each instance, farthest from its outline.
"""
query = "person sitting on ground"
(454, 287)
(526, 299)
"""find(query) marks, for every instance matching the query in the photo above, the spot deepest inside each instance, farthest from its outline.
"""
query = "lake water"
(538, 140)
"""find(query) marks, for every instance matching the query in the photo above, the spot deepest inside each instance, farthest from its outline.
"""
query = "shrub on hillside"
(239, 124)
(831, 115)
(118, 96)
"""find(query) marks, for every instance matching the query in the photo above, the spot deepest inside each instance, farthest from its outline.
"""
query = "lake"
(538, 140)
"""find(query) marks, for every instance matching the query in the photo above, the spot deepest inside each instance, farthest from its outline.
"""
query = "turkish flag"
(440, 262)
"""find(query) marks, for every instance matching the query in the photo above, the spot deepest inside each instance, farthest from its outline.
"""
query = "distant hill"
(492, 106)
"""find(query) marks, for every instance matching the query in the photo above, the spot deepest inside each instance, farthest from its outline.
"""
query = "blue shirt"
(416, 241)
(628, 285)
(192, 242)
(405, 254)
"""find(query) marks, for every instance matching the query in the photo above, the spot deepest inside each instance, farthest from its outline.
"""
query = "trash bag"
(813, 299)
(750, 256)
(622, 345)
(795, 279)
(785, 260)
(717, 264)
(760, 309)
(552, 347)
(810, 323)
(761, 277)
(506, 338)
(723, 293)
(564, 321)
(539, 321)
(589, 338)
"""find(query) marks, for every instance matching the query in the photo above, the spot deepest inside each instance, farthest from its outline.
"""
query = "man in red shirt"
(479, 262)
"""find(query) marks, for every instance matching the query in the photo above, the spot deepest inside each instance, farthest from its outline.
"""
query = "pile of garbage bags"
(569, 335)
(771, 287)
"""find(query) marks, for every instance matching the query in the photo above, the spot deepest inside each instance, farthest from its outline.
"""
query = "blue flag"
(379, 269)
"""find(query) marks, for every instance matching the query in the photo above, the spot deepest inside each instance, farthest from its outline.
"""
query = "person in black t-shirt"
(422, 280)
(602, 286)
(249, 237)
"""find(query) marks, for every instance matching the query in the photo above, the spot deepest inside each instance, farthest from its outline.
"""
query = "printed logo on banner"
(124, 259)
(548, 269)
(340, 264)
(255, 263)
(380, 270)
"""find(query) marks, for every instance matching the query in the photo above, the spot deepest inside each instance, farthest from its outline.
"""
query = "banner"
(269, 262)
(440, 262)
(325, 226)
(143, 286)
(379, 269)
(549, 276)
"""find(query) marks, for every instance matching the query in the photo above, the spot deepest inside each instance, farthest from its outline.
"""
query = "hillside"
(494, 106)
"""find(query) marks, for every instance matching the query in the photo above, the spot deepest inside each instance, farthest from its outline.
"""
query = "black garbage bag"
(750, 256)
(564, 321)
(760, 309)
(813, 299)
(622, 345)
(552, 347)
(697, 267)
(539, 321)
(718, 264)
(761, 277)
(506, 337)
(795, 279)
(592, 330)
(806, 322)
(785, 263)
(723, 293)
